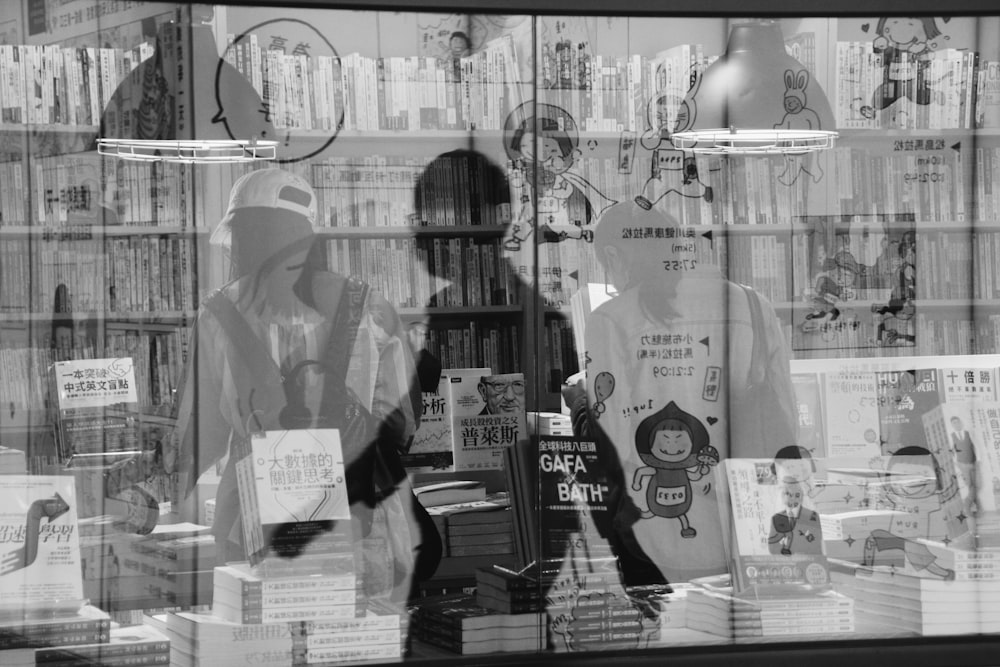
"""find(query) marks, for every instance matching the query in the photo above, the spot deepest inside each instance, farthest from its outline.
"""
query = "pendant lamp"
(755, 99)
(182, 104)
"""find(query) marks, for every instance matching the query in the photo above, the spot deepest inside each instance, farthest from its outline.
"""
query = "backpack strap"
(346, 321)
(255, 355)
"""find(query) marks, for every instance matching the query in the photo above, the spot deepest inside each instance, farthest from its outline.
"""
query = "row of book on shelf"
(120, 274)
(159, 358)
(430, 272)
(963, 87)
(68, 189)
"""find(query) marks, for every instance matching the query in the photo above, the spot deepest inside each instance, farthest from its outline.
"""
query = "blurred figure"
(288, 306)
(682, 363)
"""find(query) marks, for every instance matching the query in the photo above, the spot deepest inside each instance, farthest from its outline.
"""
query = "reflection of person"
(289, 304)
(678, 333)
(503, 395)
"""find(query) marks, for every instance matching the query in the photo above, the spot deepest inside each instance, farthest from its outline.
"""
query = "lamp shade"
(755, 99)
(163, 110)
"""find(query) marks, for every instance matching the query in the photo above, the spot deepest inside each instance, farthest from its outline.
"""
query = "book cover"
(292, 490)
(39, 540)
(809, 409)
(904, 397)
(97, 420)
(862, 284)
(775, 541)
(431, 449)
(575, 497)
(851, 414)
(910, 495)
(481, 438)
(962, 435)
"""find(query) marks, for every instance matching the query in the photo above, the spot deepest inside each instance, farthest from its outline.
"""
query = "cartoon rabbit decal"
(798, 116)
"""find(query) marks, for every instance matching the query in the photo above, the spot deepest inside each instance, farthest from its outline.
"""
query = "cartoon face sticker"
(671, 444)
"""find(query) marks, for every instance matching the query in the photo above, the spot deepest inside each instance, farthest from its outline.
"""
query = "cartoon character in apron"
(674, 446)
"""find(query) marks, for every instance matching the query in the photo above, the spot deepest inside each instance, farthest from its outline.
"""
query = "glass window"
(333, 335)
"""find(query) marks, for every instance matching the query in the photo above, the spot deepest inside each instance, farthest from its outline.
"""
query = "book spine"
(96, 632)
(287, 615)
(99, 652)
(359, 637)
(285, 600)
(352, 653)
(160, 658)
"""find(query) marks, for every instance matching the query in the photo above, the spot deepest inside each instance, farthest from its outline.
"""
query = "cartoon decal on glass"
(543, 149)
(675, 447)
(604, 386)
(907, 45)
(798, 116)
(283, 40)
(916, 484)
(673, 171)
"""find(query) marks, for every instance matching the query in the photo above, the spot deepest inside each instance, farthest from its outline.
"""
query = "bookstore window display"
(873, 260)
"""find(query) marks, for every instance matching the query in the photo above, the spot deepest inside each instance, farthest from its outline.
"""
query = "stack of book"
(798, 616)
(458, 623)
(241, 596)
(128, 645)
(594, 612)
(509, 592)
(964, 598)
(587, 608)
(474, 534)
(199, 639)
(176, 564)
(23, 631)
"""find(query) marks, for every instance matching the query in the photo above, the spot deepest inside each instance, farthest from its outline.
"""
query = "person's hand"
(575, 395)
(574, 392)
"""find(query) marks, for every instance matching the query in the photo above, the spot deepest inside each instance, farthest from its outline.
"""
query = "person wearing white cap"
(292, 315)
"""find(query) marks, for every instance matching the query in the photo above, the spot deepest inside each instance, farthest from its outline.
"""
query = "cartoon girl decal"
(542, 149)
(673, 171)
(674, 446)
(906, 44)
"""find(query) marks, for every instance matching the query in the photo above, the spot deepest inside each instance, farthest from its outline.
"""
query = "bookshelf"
(129, 242)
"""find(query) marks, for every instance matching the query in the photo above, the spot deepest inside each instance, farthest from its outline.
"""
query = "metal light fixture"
(162, 110)
(755, 99)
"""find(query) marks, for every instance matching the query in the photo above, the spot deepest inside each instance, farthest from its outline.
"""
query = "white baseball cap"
(269, 188)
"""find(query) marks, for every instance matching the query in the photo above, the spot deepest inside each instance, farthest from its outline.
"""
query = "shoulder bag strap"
(758, 356)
